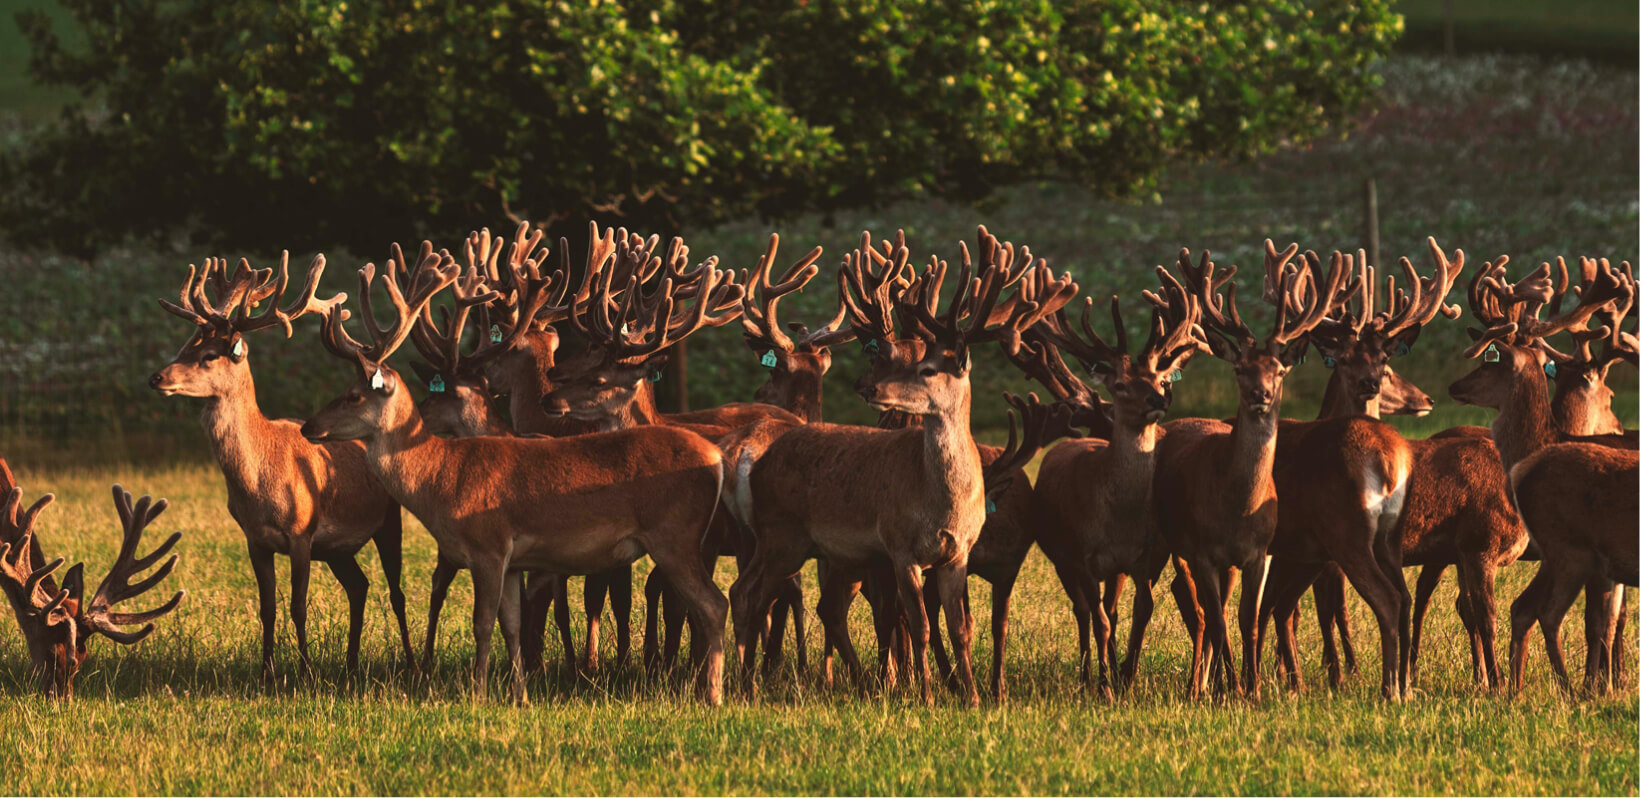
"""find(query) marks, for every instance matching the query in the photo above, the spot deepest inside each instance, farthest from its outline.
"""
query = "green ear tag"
(1491, 355)
(1549, 369)
(655, 377)
(990, 506)
(1329, 361)
(869, 347)
(1401, 349)
(436, 384)
(769, 360)
(495, 333)
(1178, 374)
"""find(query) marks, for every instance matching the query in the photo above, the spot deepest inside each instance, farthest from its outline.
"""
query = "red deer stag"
(56, 620)
(502, 506)
(912, 496)
(304, 500)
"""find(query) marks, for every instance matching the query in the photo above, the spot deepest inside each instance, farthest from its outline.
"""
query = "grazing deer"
(502, 506)
(912, 496)
(308, 501)
(55, 619)
(1575, 493)
(1100, 490)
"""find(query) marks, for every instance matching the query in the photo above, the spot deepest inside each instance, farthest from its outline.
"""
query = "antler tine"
(117, 587)
(1088, 346)
(184, 306)
(666, 322)
(1620, 344)
(1303, 297)
(1037, 426)
(433, 274)
(1606, 288)
(1219, 312)
(303, 304)
(1175, 321)
(761, 296)
(878, 290)
(1426, 295)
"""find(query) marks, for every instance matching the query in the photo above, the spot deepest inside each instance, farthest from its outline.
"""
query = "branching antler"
(99, 614)
(236, 296)
(1042, 424)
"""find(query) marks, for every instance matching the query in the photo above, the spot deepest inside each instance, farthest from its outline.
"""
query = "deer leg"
(1619, 636)
(1379, 593)
(1214, 632)
(1285, 595)
(1598, 592)
(593, 592)
(1387, 553)
(267, 605)
(1252, 594)
(836, 594)
(651, 624)
(489, 582)
(752, 594)
(1002, 591)
(443, 574)
(301, 568)
(909, 578)
(794, 597)
(690, 581)
(673, 615)
(931, 607)
(559, 588)
(1429, 578)
(952, 581)
(357, 587)
(510, 614)
(620, 603)
(1566, 580)
(1523, 615)
(1183, 588)
(774, 639)
(390, 547)
(1144, 605)
(1330, 612)
(536, 604)
(1101, 638)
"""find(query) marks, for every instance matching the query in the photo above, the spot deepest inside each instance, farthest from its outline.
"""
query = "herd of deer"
(587, 476)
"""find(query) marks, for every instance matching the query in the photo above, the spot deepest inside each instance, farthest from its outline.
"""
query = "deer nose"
(1157, 401)
(1367, 385)
(153, 380)
(1259, 395)
(867, 392)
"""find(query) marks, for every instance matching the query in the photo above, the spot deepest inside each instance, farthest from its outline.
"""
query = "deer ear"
(378, 381)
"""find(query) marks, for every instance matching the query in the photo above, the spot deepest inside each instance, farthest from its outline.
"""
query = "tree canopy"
(315, 123)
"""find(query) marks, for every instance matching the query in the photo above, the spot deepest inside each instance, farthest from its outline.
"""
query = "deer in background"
(913, 496)
(1575, 493)
(56, 620)
(1455, 510)
(501, 506)
(308, 501)
(1100, 490)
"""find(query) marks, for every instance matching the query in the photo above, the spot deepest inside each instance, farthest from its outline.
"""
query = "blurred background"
(139, 137)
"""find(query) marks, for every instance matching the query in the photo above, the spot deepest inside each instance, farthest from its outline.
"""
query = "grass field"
(183, 712)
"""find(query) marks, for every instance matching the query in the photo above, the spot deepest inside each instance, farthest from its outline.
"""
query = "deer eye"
(208, 357)
(928, 371)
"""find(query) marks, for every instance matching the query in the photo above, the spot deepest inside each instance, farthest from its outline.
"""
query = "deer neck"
(238, 432)
(805, 398)
(1581, 411)
(1253, 453)
(1524, 423)
(950, 456)
(1338, 402)
(405, 458)
(639, 412)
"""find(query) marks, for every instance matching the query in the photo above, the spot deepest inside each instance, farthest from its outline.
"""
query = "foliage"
(317, 123)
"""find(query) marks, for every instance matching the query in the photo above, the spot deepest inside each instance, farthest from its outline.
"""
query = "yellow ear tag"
(377, 382)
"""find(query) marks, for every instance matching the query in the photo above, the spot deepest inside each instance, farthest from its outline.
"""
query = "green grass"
(183, 713)
(1600, 29)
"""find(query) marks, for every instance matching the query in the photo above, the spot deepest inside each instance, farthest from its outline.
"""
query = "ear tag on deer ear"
(869, 347)
(495, 334)
(436, 384)
(990, 506)
(964, 361)
(769, 360)
(1491, 355)
(377, 382)
(1402, 349)
(1330, 363)
(654, 376)
(1178, 374)
(239, 348)
(1549, 369)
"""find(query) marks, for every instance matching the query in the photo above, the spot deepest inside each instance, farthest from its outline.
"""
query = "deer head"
(1357, 339)
(1301, 300)
(1141, 383)
(56, 620)
(1583, 401)
(630, 328)
(934, 380)
(1512, 347)
(213, 361)
(796, 358)
(1398, 396)
(378, 400)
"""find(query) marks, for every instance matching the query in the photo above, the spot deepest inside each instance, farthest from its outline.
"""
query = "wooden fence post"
(1372, 222)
